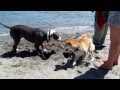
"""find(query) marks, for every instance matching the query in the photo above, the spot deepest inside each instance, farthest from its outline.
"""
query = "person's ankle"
(115, 63)
(104, 65)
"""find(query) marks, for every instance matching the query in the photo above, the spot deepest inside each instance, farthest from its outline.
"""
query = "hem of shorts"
(118, 26)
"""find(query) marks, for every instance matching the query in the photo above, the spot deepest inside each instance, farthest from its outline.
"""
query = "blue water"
(46, 19)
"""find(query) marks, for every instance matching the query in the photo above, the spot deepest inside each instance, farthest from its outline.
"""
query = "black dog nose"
(66, 49)
(65, 54)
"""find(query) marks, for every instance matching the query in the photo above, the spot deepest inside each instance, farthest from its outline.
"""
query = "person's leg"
(105, 29)
(97, 34)
(113, 51)
(100, 34)
(103, 39)
(115, 43)
(116, 59)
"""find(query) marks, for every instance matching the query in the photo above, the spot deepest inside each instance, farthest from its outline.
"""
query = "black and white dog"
(34, 35)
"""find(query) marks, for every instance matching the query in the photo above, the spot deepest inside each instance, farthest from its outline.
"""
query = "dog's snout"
(66, 49)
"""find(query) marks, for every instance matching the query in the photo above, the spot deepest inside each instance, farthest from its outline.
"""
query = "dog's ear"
(69, 44)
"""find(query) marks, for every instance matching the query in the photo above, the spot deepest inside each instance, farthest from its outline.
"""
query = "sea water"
(62, 21)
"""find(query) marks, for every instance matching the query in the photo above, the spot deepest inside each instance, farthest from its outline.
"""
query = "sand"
(26, 65)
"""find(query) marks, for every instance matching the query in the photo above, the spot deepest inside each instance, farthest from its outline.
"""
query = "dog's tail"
(5, 25)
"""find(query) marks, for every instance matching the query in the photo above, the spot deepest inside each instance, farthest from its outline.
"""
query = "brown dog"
(81, 46)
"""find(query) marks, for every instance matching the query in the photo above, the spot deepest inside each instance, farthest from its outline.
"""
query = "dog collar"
(48, 36)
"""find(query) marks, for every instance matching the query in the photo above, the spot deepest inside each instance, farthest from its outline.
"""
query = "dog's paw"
(45, 50)
(92, 59)
(17, 50)
(44, 56)
(74, 63)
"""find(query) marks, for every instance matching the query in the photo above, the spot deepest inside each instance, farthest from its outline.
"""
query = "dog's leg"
(39, 52)
(43, 52)
(16, 39)
(92, 56)
(86, 55)
(16, 42)
(37, 47)
(43, 48)
(91, 51)
(76, 58)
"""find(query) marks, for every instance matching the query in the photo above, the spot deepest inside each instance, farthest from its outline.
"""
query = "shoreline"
(5, 38)
(65, 29)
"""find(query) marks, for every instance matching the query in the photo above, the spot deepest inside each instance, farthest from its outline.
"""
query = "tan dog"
(81, 46)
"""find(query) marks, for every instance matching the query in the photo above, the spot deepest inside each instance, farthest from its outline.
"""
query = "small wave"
(74, 29)
(4, 34)
(67, 29)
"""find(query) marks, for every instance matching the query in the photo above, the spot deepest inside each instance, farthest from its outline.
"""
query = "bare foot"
(115, 62)
(103, 65)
